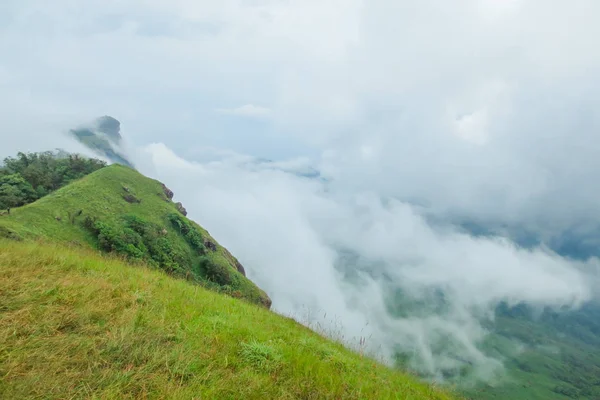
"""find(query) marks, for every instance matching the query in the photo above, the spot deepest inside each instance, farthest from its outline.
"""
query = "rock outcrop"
(131, 198)
(240, 267)
(181, 209)
(209, 244)
(168, 192)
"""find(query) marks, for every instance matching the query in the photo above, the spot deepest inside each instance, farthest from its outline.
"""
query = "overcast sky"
(473, 109)
(459, 101)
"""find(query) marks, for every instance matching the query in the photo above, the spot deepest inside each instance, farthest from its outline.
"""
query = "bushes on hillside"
(160, 249)
(124, 240)
(189, 232)
(215, 272)
(138, 239)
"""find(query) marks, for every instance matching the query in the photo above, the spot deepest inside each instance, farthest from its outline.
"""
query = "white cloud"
(248, 110)
(288, 230)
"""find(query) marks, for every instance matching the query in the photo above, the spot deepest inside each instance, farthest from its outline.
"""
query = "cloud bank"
(339, 263)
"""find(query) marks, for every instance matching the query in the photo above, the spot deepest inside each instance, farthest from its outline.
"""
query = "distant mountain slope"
(118, 210)
(75, 325)
(103, 137)
(558, 354)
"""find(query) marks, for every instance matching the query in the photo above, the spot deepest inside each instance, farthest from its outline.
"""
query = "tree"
(43, 172)
(15, 191)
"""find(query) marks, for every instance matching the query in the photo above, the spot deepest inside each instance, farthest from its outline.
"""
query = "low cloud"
(367, 270)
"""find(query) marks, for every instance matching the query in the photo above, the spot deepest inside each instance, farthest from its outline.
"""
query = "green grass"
(74, 324)
(101, 195)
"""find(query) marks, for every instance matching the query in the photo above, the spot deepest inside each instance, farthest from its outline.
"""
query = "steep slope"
(77, 325)
(118, 210)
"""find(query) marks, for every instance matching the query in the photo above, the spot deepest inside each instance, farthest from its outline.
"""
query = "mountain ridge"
(117, 209)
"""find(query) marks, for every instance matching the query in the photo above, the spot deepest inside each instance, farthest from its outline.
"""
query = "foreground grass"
(76, 325)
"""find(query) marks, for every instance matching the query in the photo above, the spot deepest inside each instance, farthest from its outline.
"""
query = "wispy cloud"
(248, 110)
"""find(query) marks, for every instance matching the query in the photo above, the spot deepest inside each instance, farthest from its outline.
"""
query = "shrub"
(121, 240)
(215, 272)
(138, 224)
(90, 224)
(189, 232)
(136, 238)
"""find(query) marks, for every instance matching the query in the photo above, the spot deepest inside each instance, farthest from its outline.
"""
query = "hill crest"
(118, 210)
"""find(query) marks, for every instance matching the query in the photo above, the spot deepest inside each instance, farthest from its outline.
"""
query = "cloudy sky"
(418, 115)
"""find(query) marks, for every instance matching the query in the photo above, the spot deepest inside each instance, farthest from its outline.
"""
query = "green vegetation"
(28, 177)
(118, 210)
(557, 355)
(74, 324)
(15, 191)
(546, 354)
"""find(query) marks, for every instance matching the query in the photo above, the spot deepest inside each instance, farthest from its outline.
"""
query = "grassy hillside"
(74, 324)
(118, 210)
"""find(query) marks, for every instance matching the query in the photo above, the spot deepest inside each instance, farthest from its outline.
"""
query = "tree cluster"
(28, 177)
